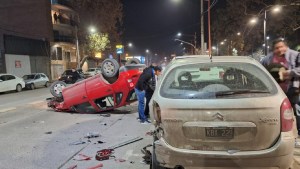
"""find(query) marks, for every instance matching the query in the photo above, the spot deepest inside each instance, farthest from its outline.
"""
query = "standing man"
(75, 76)
(151, 87)
(290, 73)
(140, 88)
(55, 17)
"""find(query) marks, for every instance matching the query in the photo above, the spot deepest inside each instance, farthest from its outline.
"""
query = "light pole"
(147, 56)
(179, 34)
(265, 10)
(275, 9)
(77, 48)
(186, 43)
(265, 32)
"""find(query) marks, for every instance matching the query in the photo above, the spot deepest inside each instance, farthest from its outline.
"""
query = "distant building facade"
(25, 36)
(63, 49)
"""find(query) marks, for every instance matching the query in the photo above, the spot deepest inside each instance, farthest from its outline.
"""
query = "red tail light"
(130, 83)
(286, 114)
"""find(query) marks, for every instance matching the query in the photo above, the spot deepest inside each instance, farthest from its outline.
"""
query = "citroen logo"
(218, 116)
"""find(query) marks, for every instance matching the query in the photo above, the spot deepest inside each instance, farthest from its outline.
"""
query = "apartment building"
(63, 48)
(25, 36)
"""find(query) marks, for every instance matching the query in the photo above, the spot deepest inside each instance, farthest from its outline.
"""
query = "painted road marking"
(7, 109)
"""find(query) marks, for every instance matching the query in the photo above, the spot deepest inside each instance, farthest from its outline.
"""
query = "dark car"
(68, 76)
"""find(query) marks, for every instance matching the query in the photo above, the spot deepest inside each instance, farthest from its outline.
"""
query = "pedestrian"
(150, 87)
(59, 17)
(140, 87)
(75, 76)
(55, 17)
(289, 74)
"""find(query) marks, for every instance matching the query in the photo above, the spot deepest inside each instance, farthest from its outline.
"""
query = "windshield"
(216, 80)
(26, 77)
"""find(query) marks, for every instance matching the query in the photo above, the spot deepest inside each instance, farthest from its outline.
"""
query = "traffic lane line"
(37, 102)
(7, 109)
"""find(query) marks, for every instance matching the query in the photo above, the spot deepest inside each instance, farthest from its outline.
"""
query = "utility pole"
(195, 43)
(77, 48)
(202, 28)
(209, 37)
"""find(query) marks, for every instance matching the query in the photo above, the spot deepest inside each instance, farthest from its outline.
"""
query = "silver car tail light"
(286, 113)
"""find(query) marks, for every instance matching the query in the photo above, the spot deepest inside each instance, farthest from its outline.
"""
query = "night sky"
(153, 25)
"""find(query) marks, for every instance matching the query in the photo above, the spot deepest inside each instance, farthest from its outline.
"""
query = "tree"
(235, 17)
(96, 43)
(105, 15)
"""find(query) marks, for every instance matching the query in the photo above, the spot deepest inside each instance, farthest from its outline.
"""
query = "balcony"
(62, 2)
(63, 21)
(66, 39)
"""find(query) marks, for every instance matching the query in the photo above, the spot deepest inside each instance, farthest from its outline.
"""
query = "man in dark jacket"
(146, 83)
(75, 76)
(151, 84)
(290, 71)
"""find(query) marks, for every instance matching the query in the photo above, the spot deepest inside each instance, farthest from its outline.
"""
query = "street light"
(147, 56)
(129, 44)
(92, 29)
(187, 43)
(179, 34)
(253, 20)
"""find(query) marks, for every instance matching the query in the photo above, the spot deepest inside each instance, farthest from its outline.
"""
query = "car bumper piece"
(280, 155)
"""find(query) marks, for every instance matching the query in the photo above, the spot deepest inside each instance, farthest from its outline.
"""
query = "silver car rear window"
(217, 80)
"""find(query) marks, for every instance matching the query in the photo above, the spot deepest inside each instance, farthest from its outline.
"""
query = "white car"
(92, 72)
(35, 80)
(10, 82)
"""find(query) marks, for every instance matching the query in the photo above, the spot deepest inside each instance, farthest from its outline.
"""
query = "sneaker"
(145, 122)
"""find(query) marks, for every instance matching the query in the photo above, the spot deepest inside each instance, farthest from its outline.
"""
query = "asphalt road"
(33, 136)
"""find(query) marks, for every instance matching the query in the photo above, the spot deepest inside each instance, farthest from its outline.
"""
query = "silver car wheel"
(110, 68)
(57, 87)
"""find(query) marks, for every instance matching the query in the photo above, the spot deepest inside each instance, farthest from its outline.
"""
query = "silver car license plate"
(219, 132)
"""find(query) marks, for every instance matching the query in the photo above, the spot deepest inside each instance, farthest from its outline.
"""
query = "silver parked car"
(35, 80)
(225, 112)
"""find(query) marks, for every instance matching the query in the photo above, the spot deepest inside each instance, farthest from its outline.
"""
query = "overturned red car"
(113, 88)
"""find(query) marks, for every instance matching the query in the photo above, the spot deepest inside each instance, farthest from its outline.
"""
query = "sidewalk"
(297, 156)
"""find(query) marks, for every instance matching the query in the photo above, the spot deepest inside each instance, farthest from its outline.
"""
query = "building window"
(59, 53)
(68, 56)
